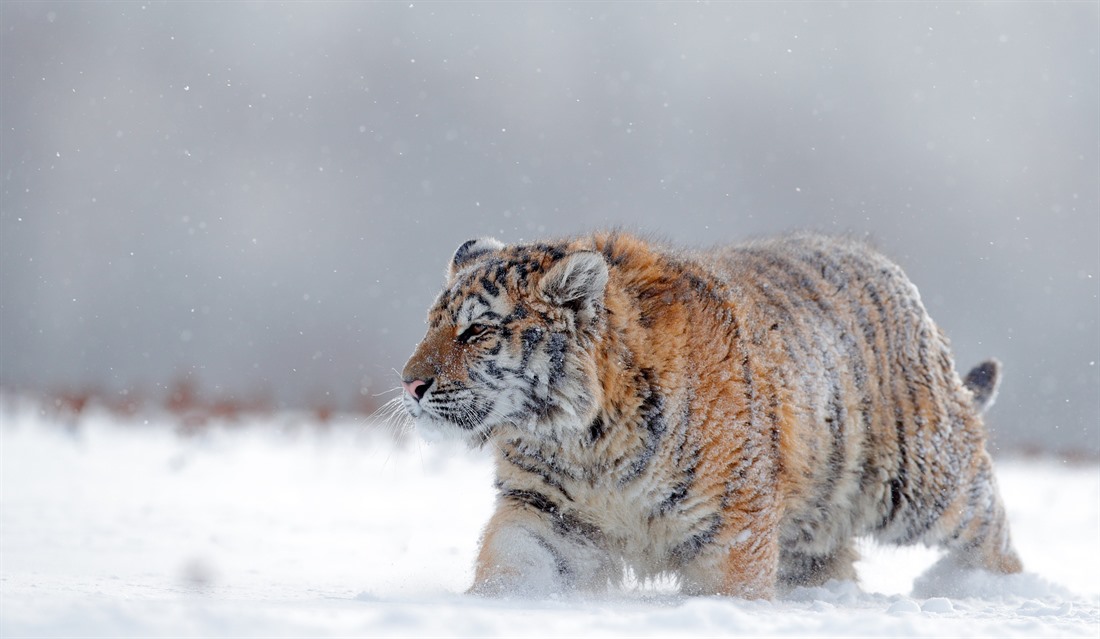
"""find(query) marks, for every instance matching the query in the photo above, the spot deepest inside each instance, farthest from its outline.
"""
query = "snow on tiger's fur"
(732, 417)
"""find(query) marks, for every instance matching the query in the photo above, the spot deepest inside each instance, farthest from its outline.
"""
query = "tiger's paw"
(516, 562)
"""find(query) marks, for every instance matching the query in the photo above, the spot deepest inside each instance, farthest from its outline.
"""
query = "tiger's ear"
(471, 250)
(577, 281)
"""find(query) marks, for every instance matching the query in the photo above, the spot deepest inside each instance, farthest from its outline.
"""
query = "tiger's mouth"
(442, 422)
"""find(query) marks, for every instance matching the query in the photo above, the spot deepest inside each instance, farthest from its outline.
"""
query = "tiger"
(731, 418)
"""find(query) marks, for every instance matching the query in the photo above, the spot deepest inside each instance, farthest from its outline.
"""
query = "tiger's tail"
(983, 381)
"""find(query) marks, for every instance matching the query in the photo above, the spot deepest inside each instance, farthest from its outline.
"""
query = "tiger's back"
(733, 417)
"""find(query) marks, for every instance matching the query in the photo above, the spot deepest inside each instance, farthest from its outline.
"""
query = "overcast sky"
(261, 197)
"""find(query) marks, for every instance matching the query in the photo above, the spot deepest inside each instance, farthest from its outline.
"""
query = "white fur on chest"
(628, 516)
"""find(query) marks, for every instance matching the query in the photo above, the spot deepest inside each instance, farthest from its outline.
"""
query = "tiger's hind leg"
(976, 533)
(975, 526)
(979, 539)
(963, 514)
(800, 569)
(944, 492)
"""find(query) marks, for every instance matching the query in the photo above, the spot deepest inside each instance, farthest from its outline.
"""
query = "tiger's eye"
(472, 332)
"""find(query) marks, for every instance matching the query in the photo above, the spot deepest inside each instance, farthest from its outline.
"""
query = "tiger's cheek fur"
(530, 371)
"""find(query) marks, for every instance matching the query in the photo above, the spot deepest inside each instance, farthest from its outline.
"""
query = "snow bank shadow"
(947, 579)
(836, 593)
(942, 582)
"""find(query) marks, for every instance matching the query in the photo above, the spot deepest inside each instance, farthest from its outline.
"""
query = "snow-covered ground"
(275, 528)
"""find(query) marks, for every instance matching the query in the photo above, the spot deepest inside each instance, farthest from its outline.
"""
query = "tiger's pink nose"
(417, 388)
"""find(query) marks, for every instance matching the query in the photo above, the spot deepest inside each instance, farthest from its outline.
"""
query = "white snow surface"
(276, 528)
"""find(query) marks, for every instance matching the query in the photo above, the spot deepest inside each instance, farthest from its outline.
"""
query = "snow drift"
(280, 527)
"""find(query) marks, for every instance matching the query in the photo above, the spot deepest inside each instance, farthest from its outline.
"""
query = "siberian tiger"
(733, 418)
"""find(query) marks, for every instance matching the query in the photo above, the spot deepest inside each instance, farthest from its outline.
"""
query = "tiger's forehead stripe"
(483, 296)
(487, 290)
(479, 308)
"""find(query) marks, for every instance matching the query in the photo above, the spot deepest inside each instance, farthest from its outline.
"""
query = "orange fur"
(733, 417)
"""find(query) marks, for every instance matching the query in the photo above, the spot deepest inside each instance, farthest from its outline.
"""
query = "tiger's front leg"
(529, 552)
(742, 561)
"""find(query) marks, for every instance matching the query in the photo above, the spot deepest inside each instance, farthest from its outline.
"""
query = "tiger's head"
(510, 344)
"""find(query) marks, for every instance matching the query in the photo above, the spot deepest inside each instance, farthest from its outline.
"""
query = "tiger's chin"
(434, 430)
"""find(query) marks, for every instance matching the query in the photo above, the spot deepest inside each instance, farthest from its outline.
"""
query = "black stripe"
(490, 287)
(834, 422)
(651, 416)
(529, 341)
(542, 473)
(794, 341)
(518, 312)
(563, 523)
(444, 299)
(687, 550)
(554, 252)
(870, 476)
(556, 347)
(613, 258)
(477, 377)
(523, 272)
(596, 430)
(902, 499)
(534, 499)
(888, 380)
(677, 494)
(500, 270)
(494, 371)
(565, 571)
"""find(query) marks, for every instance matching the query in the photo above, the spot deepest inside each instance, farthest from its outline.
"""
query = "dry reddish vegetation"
(192, 410)
(184, 401)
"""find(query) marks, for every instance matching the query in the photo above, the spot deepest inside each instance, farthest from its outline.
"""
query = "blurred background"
(254, 202)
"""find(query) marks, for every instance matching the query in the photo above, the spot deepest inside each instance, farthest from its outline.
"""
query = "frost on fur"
(732, 418)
